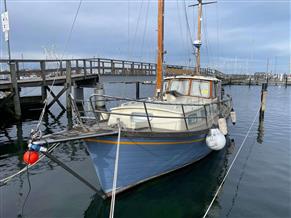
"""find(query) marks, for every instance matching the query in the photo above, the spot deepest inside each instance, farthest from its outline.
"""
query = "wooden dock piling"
(263, 100)
(85, 68)
(16, 98)
(137, 89)
(68, 85)
(43, 76)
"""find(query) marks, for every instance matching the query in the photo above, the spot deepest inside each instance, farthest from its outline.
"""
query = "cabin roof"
(192, 77)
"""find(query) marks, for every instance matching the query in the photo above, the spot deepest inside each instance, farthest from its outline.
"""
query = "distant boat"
(175, 128)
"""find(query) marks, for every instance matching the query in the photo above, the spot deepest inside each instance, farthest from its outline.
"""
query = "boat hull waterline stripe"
(143, 143)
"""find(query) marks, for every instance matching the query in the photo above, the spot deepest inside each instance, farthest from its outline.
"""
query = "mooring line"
(29, 190)
(221, 184)
(113, 192)
(7, 179)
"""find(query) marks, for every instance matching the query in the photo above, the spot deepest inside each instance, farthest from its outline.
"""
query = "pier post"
(16, 98)
(85, 68)
(17, 69)
(77, 67)
(43, 76)
(132, 68)
(112, 67)
(61, 68)
(146, 69)
(263, 100)
(286, 81)
(91, 67)
(98, 66)
(79, 97)
(123, 69)
(78, 94)
(137, 90)
(68, 85)
(141, 69)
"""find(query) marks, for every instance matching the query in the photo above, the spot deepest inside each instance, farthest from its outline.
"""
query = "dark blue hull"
(143, 157)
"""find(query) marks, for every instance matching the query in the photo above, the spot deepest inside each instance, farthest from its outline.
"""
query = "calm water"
(259, 184)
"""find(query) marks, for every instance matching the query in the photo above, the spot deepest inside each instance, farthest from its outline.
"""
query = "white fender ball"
(215, 140)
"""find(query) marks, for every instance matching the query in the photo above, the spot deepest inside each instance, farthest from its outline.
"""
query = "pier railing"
(33, 68)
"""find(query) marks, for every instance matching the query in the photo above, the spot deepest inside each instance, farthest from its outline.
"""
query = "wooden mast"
(198, 37)
(160, 56)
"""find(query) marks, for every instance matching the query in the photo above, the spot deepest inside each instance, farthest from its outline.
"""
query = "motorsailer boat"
(153, 136)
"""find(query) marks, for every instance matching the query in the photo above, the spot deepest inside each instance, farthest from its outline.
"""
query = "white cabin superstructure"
(182, 107)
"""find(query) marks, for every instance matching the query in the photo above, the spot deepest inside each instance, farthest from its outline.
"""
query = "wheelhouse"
(193, 86)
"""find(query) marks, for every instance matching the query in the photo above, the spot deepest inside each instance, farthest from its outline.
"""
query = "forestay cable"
(240, 148)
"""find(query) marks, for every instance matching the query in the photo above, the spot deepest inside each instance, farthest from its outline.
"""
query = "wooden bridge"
(19, 73)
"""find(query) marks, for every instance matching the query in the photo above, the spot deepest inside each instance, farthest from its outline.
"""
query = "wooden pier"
(19, 73)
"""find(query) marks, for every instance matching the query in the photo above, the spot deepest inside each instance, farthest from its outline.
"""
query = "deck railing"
(209, 110)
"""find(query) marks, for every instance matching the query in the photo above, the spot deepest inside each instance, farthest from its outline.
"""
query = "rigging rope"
(29, 190)
(132, 48)
(145, 31)
(113, 193)
(231, 165)
(182, 33)
(188, 29)
(204, 21)
(218, 36)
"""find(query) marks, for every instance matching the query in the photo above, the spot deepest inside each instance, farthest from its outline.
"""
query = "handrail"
(148, 116)
(185, 117)
(157, 102)
(146, 111)
(139, 115)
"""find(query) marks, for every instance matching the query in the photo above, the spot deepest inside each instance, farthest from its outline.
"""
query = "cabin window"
(192, 119)
(181, 86)
(200, 88)
(166, 84)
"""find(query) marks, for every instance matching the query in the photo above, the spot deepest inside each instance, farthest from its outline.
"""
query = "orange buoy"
(30, 157)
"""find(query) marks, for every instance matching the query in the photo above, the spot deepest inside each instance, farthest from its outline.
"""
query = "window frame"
(210, 82)
(182, 79)
(169, 81)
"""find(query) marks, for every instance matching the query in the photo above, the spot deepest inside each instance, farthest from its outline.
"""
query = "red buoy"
(30, 157)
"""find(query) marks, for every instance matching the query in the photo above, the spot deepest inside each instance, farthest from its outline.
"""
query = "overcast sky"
(238, 36)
